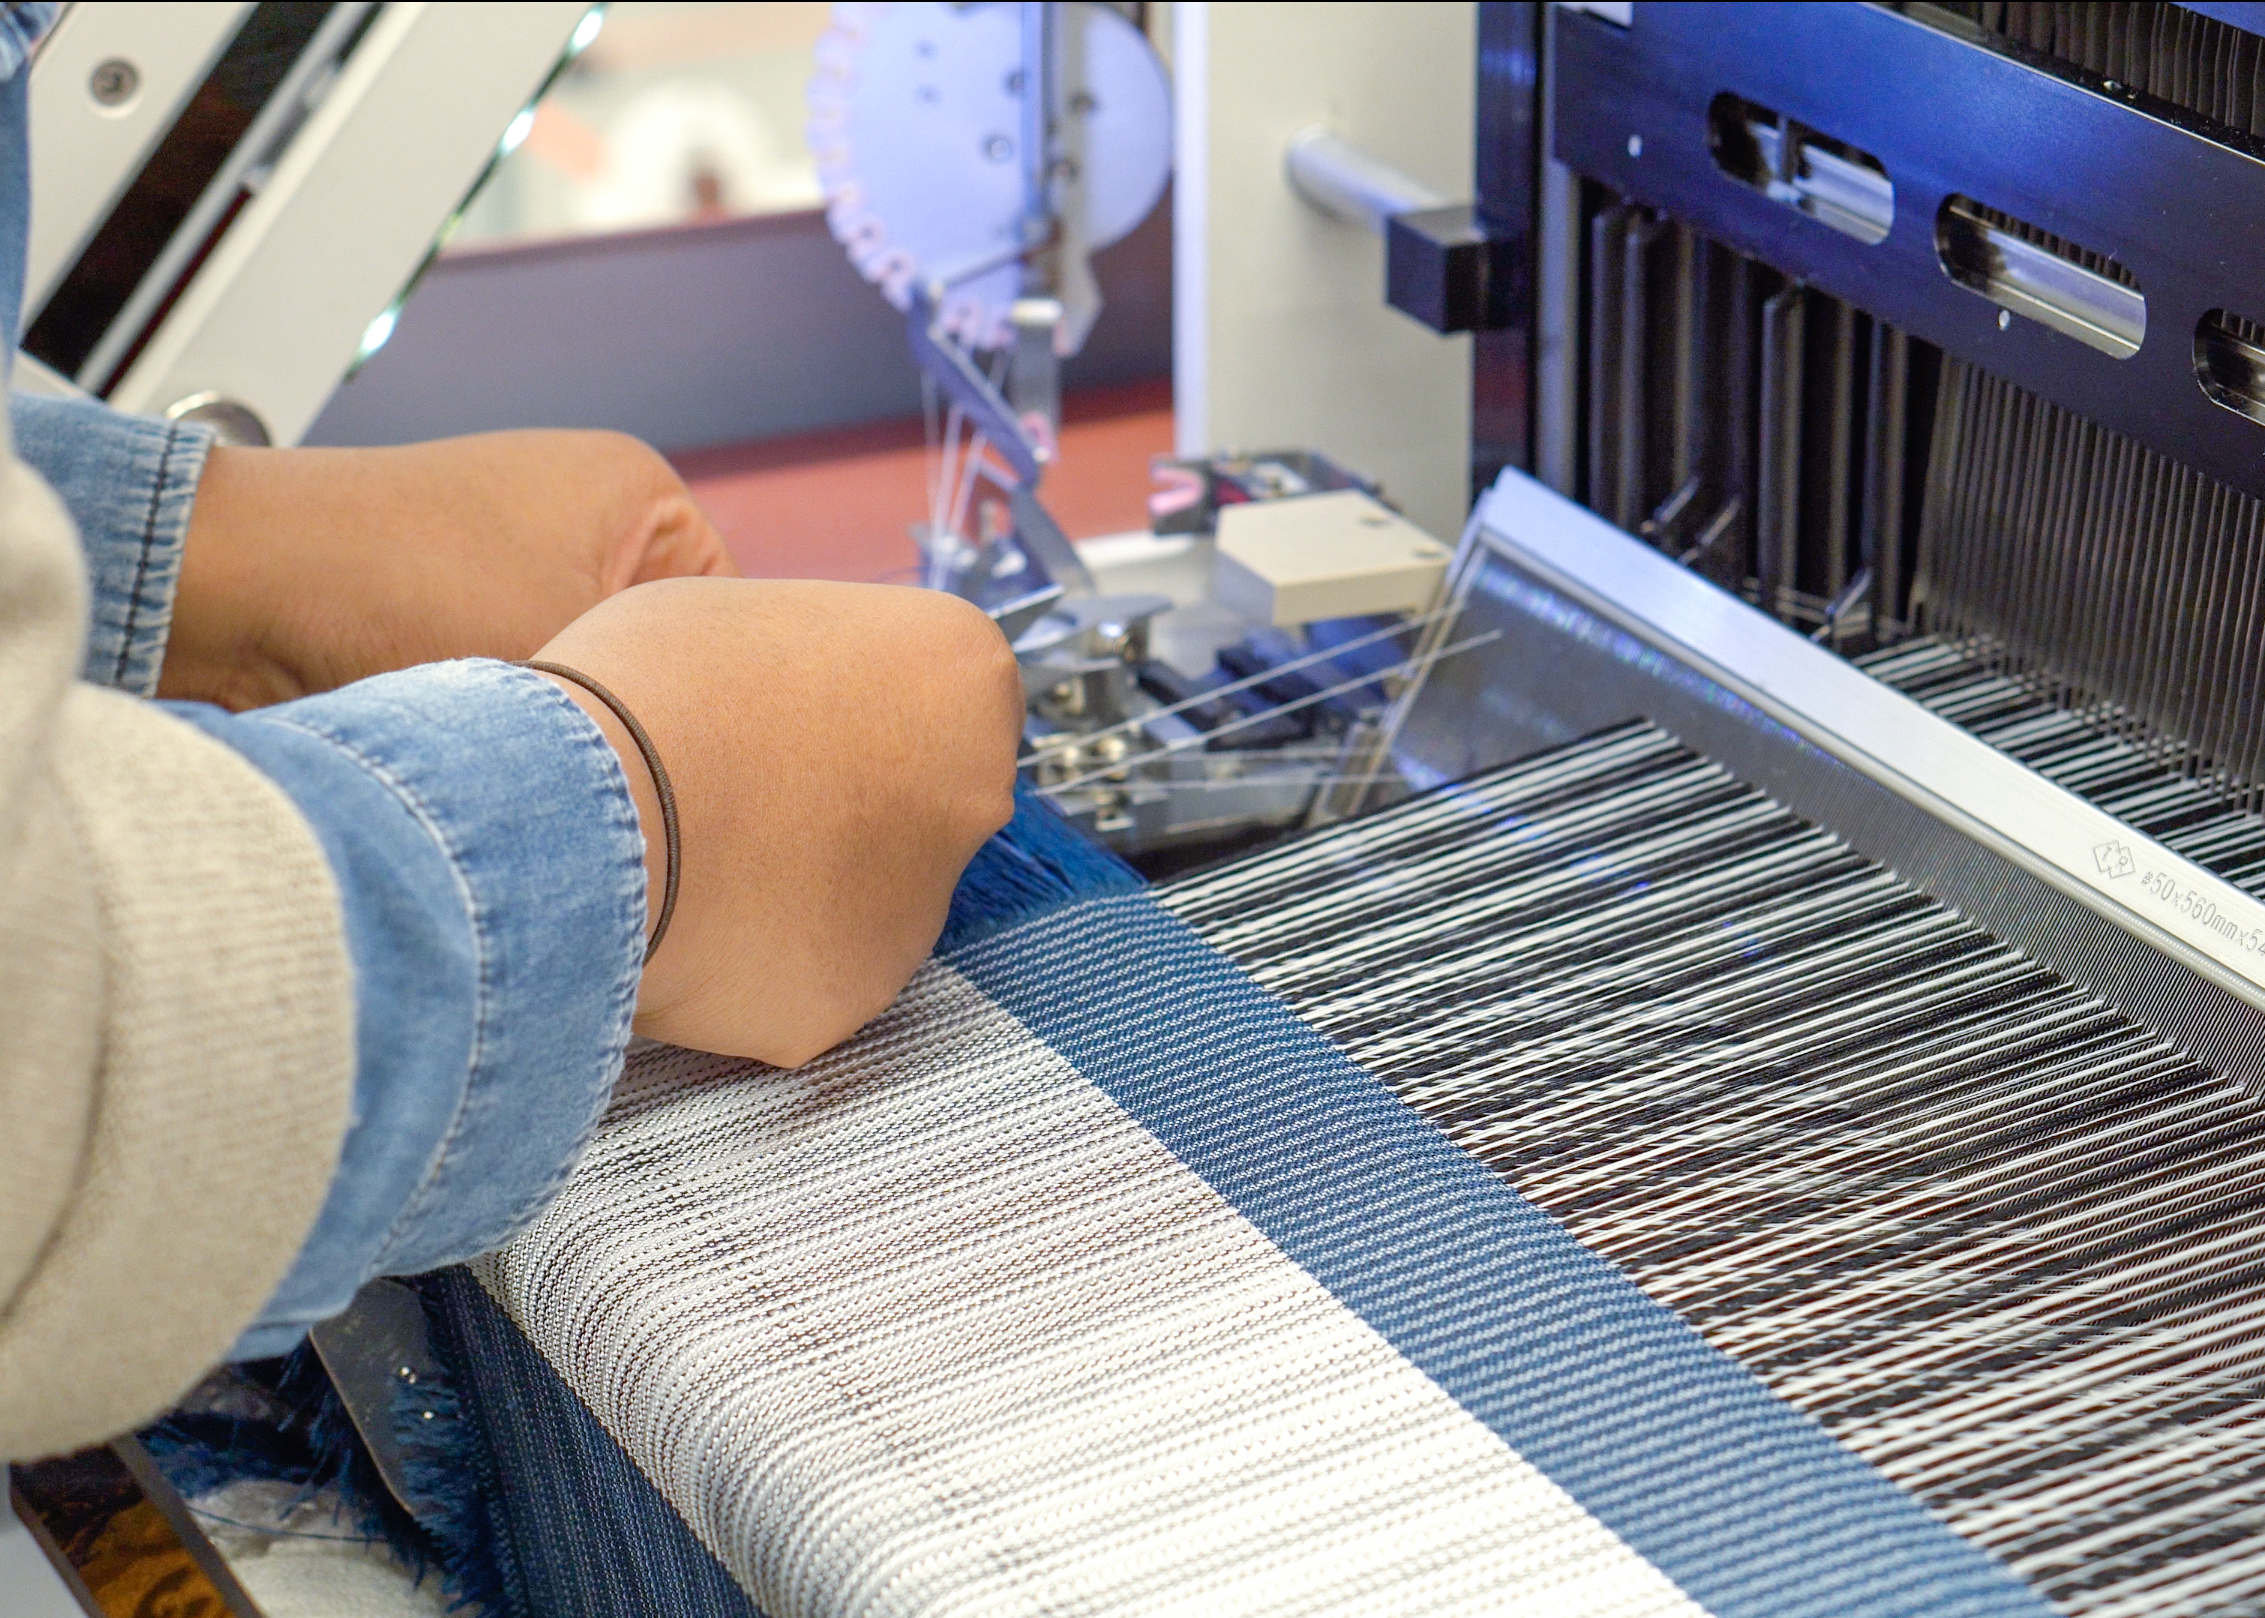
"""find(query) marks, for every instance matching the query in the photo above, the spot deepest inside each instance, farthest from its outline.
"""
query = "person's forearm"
(306, 569)
(245, 577)
(839, 753)
(486, 853)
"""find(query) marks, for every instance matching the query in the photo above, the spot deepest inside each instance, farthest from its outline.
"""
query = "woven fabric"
(934, 1326)
(566, 1526)
(1750, 1508)
(1586, 1190)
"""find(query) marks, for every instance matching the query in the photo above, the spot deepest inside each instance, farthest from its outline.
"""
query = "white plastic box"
(1323, 556)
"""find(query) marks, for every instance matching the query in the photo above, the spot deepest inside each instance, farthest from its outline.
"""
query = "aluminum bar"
(2165, 899)
(1341, 179)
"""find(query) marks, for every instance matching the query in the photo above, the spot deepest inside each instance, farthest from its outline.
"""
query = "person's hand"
(306, 569)
(838, 753)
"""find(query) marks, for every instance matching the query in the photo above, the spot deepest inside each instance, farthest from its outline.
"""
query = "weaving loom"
(1591, 1187)
(1769, 1128)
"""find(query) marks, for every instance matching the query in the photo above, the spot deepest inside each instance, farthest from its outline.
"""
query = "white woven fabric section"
(933, 1327)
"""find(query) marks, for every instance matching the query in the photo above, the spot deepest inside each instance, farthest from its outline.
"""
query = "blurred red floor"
(841, 504)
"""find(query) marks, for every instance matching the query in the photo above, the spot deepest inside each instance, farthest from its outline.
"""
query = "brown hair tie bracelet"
(652, 756)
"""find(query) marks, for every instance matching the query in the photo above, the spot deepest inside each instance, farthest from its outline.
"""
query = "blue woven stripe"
(1750, 1507)
(573, 1528)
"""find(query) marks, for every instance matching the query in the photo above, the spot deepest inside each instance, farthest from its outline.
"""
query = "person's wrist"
(217, 648)
(656, 775)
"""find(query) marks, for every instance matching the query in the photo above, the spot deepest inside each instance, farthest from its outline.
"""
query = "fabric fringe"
(442, 1476)
(280, 1420)
(1040, 862)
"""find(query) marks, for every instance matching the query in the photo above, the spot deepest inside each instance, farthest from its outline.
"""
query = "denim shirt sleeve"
(484, 842)
(129, 483)
(22, 22)
(489, 856)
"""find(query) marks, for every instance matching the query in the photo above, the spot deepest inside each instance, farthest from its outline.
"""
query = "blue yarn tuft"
(1037, 863)
(442, 1475)
(290, 1426)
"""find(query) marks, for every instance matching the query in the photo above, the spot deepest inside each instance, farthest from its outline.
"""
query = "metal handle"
(1343, 180)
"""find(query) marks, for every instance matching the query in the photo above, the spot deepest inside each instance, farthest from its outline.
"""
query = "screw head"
(1083, 104)
(1635, 146)
(113, 82)
(998, 148)
(2005, 319)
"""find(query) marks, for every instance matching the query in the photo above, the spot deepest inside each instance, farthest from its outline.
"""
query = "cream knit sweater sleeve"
(176, 1023)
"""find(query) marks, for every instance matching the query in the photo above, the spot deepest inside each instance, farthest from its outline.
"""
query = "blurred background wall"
(653, 258)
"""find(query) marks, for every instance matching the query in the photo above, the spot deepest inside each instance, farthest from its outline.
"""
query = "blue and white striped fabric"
(1586, 1189)
(1091, 1279)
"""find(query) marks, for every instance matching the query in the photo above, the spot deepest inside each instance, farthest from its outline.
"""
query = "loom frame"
(2178, 203)
(1593, 628)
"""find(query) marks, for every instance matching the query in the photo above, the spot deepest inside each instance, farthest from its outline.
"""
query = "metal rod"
(1881, 542)
(1233, 783)
(1634, 387)
(1778, 521)
(1840, 448)
(1557, 308)
(1659, 527)
(1250, 680)
(1201, 737)
(1039, 271)
(1683, 460)
(1857, 589)
(1607, 231)
(1341, 179)
(1739, 436)
(1723, 521)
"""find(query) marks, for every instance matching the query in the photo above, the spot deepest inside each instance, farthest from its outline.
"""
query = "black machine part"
(1917, 320)
(2028, 199)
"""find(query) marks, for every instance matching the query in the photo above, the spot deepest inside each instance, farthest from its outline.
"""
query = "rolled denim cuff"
(493, 877)
(129, 483)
